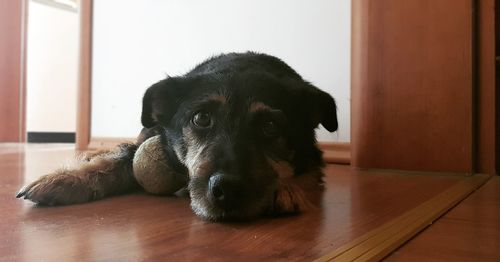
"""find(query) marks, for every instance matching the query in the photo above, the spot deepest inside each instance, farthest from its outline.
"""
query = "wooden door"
(412, 85)
(11, 63)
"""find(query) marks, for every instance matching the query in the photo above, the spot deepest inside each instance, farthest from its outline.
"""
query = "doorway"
(51, 71)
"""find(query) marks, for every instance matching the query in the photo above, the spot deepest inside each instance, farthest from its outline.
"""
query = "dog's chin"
(209, 212)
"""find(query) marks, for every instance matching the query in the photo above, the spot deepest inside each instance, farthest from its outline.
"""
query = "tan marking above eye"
(219, 98)
(258, 106)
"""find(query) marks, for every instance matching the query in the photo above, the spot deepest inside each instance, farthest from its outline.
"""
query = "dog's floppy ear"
(321, 108)
(160, 102)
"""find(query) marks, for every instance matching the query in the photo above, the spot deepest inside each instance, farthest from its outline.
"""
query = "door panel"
(411, 85)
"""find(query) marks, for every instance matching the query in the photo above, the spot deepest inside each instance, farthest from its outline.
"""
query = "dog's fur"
(240, 127)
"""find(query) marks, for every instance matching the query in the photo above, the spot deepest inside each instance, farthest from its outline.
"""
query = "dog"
(239, 126)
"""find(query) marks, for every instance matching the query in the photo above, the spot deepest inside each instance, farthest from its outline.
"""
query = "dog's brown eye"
(202, 119)
(270, 129)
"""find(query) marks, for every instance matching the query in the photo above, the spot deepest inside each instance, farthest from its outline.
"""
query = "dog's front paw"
(60, 188)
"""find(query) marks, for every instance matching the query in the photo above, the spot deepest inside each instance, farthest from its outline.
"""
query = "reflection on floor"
(144, 227)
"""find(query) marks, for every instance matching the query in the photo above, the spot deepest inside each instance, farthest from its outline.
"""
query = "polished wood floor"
(144, 227)
(469, 232)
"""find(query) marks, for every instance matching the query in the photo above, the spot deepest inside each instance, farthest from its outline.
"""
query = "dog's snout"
(216, 188)
(223, 190)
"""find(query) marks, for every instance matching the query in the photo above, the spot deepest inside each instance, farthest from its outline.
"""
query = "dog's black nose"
(223, 190)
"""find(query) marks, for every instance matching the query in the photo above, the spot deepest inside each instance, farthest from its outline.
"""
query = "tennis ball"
(151, 169)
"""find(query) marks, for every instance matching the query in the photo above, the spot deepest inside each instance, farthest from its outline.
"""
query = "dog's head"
(238, 135)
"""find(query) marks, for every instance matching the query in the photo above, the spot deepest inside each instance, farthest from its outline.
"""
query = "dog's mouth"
(228, 203)
(212, 212)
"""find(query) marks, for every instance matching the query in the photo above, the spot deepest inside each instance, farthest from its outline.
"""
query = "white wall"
(138, 42)
(52, 69)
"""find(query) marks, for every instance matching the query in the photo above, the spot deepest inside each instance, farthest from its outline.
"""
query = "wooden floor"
(144, 227)
(469, 232)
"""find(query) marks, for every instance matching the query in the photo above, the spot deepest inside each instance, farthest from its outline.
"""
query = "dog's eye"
(270, 128)
(202, 119)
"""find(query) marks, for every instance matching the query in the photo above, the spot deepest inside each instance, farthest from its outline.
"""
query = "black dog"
(240, 127)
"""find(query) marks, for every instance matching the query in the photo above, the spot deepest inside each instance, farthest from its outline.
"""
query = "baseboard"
(380, 242)
(107, 142)
(333, 152)
(336, 152)
(51, 137)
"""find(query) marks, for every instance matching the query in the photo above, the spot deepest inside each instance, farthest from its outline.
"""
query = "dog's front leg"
(95, 177)
(299, 193)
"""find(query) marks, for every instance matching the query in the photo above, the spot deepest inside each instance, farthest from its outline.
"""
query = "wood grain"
(144, 227)
(411, 85)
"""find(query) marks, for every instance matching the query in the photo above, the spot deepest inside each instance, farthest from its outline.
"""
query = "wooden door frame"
(24, 60)
(486, 95)
(83, 123)
(24, 53)
(15, 129)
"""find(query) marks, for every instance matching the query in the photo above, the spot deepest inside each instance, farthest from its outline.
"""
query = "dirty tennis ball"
(152, 171)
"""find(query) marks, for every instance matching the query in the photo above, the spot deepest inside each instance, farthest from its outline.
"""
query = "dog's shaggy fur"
(240, 127)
